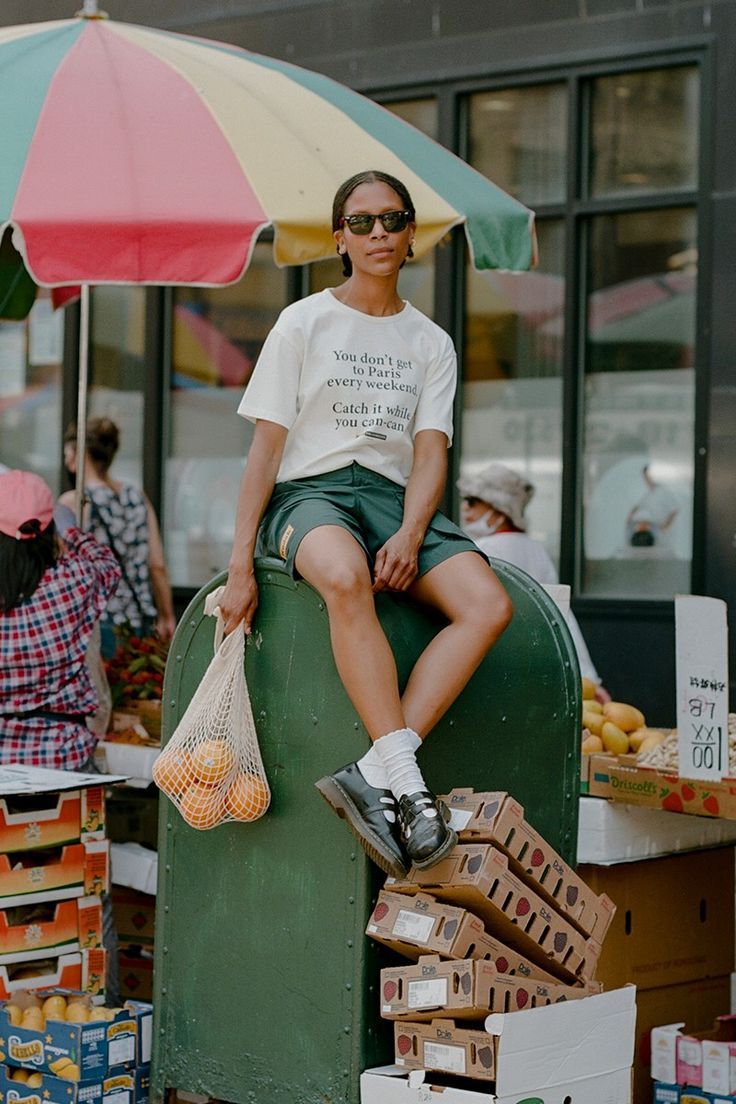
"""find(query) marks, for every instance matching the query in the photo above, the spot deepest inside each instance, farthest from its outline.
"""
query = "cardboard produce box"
(441, 1045)
(55, 874)
(498, 819)
(577, 1052)
(675, 919)
(622, 779)
(477, 877)
(697, 1003)
(413, 925)
(392, 1085)
(117, 1087)
(91, 1048)
(83, 971)
(134, 914)
(51, 819)
(468, 989)
(704, 1059)
(35, 930)
(135, 970)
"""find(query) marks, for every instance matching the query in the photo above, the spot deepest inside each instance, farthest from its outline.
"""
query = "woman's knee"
(345, 583)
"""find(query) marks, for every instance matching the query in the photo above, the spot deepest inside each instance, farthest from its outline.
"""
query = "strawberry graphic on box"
(710, 804)
(673, 803)
(688, 793)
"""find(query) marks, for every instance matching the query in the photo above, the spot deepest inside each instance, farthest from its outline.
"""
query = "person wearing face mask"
(493, 505)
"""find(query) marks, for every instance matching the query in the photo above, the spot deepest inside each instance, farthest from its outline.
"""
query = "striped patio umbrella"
(132, 155)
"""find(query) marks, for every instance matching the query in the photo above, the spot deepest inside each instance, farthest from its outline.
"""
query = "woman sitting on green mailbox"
(352, 399)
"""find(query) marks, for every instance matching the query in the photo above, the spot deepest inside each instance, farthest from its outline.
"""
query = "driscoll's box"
(498, 819)
(464, 990)
(42, 820)
(477, 877)
(412, 925)
(33, 931)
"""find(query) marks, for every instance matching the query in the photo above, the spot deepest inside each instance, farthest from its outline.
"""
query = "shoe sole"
(441, 853)
(343, 805)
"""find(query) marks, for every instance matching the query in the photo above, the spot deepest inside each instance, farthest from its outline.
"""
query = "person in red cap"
(51, 594)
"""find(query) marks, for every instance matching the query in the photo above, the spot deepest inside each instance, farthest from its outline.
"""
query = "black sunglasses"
(391, 221)
(471, 501)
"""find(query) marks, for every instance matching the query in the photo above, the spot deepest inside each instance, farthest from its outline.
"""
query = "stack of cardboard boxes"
(502, 925)
(673, 937)
(698, 1068)
(101, 1056)
(54, 870)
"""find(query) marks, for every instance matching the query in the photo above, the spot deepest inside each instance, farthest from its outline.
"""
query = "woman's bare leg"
(335, 564)
(467, 592)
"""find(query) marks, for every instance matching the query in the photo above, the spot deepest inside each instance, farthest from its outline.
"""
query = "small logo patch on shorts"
(284, 542)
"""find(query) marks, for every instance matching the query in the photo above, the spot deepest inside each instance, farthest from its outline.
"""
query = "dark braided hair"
(23, 562)
(346, 189)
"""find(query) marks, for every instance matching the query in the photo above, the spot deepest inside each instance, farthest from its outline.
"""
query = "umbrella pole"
(82, 401)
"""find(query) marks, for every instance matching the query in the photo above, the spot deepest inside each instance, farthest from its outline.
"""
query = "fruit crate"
(621, 778)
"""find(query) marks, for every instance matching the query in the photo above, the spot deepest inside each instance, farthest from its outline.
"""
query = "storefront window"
(217, 335)
(518, 139)
(639, 404)
(422, 114)
(117, 350)
(31, 354)
(645, 132)
(512, 386)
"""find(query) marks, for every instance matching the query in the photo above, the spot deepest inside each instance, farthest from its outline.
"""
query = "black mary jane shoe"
(428, 837)
(372, 815)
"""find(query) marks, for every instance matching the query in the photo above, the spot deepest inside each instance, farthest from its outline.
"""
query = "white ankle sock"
(373, 770)
(396, 751)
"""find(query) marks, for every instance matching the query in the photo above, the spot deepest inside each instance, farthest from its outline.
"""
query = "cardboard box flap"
(18, 779)
(564, 1043)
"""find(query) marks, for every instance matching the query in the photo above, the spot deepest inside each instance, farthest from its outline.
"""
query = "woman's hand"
(165, 626)
(396, 563)
(239, 601)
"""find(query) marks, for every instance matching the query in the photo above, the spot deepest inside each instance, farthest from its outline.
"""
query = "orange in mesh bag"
(211, 767)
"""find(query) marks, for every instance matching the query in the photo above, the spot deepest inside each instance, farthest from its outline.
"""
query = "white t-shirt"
(352, 387)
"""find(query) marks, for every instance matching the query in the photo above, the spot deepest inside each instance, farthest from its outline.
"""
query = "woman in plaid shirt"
(51, 594)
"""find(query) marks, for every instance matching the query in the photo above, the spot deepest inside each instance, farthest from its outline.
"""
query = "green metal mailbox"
(265, 983)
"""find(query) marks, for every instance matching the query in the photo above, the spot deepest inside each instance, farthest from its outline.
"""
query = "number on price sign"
(702, 686)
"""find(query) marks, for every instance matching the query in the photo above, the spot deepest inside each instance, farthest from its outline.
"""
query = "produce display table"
(611, 832)
(265, 984)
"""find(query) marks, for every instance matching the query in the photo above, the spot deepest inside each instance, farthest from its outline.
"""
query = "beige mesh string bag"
(211, 767)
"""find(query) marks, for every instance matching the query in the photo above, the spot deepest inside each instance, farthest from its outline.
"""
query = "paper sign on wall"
(701, 635)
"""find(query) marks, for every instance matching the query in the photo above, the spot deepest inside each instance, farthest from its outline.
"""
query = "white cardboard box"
(579, 1052)
(610, 832)
(392, 1085)
(134, 866)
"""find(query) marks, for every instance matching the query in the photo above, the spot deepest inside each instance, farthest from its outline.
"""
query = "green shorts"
(365, 503)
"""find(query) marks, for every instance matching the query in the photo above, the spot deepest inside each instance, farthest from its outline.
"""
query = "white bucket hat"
(502, 489)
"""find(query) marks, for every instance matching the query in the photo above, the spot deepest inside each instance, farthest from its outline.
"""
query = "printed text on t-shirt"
(366, 373)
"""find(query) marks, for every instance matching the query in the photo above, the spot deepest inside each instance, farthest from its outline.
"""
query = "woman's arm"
(240, 597)
(396, 563)
(160, 584)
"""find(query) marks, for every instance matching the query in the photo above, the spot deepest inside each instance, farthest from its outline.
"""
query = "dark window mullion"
(572, 376)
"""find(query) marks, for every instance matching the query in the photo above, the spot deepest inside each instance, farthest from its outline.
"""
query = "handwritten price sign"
(702, 686)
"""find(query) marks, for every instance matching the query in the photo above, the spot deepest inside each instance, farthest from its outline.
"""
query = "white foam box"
(130, 760)
(134, 866)
(610, 832)
(579, 1052)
